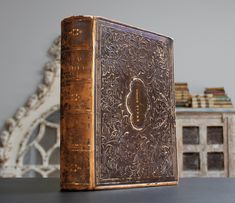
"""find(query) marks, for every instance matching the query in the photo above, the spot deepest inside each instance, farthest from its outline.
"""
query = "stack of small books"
(182, 95)
(220, 98)
(203, 101)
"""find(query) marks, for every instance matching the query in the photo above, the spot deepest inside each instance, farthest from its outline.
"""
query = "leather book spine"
(77, 103)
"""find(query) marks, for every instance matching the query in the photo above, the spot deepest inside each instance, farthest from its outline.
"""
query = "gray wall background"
(203, 31)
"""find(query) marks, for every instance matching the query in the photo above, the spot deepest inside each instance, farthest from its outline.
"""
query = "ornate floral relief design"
(124, 153)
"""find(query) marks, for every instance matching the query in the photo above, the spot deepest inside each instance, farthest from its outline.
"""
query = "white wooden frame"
(203, 118)
(18, 128)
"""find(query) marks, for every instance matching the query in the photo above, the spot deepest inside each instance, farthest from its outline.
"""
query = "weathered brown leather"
(76, 102)
(117, 106)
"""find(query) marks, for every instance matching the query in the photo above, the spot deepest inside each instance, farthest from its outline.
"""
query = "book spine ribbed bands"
(76, 102)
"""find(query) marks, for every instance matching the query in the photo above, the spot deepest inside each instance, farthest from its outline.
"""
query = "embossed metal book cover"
(117, 106)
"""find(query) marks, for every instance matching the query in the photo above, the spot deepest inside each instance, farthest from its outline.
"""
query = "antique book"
(117, 106)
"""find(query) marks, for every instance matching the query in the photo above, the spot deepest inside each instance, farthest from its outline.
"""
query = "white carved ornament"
(29, 142)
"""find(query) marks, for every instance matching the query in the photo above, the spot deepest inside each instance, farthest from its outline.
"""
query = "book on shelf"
(220, 98)
(117, 111)
(182, 95)
(202, 101)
